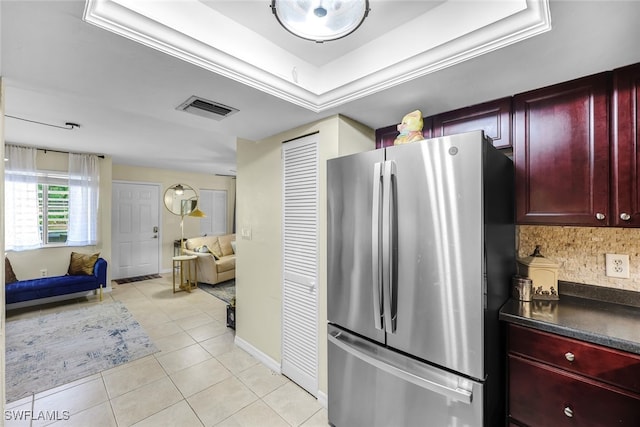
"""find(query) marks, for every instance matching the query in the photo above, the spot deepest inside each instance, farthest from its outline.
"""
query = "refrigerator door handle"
(389, 261)
(375, 246)
(361, 352)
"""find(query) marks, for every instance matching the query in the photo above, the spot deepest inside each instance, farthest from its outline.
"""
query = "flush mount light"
(320, 20)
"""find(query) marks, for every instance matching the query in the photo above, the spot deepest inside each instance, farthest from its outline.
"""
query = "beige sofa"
(216, 257)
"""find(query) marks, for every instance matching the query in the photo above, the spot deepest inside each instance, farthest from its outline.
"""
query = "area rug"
(137, 278)
(224, 290)
(55, 349)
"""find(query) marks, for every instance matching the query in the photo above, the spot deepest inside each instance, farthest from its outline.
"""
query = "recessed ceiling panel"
(217, 36)
(383, 17)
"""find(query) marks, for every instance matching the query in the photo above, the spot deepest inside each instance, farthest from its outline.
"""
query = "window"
(53, 213)
(50, 208)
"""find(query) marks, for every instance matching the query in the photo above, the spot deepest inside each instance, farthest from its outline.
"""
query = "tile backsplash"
(581, 252)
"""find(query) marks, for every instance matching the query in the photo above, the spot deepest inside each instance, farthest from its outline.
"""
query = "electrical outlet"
(617, 265)
(43, 272)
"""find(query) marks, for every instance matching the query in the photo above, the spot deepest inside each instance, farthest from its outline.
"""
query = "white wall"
(27, 264)
(170, 224)
(259, 258)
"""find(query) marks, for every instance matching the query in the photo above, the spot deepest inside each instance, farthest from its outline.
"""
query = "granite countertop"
(601, 322)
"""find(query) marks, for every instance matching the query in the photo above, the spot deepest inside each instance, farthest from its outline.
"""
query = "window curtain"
(84, 186)
(22, 229)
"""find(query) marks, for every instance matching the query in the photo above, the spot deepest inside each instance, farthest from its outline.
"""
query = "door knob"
(625, 216)
(155, 229)
(600, 216)
(155, 236)
(569, 356)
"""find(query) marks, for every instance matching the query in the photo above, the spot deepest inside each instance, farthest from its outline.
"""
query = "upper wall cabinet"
(576, 147)
(561, 152)
(387, 135)
(493, 117)
(625, 144)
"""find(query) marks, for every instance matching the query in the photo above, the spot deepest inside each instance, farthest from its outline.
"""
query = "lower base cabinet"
(545, 396)
(552, 382)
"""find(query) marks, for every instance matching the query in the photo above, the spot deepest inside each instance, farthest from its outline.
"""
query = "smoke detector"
(205, 108)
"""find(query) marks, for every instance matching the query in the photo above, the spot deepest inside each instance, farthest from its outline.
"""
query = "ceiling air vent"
(205, 108)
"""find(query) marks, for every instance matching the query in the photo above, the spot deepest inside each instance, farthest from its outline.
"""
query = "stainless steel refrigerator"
(421, 251)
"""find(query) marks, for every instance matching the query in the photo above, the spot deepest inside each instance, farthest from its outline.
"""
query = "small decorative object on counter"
(543, 273)
(410, 129)
(522, 287)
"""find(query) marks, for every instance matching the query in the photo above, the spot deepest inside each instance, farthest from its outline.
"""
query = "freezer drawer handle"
(459, 394)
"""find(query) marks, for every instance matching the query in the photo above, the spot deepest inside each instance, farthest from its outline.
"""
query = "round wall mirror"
(180, 199)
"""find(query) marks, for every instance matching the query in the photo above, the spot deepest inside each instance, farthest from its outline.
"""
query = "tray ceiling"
(236, 40)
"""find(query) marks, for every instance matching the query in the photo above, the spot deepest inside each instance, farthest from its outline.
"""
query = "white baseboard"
(323, 399)
(273, 365)
(262, 357)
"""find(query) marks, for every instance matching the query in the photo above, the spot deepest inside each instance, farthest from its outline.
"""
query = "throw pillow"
(215, 249)
(233, 246)
(225, 244)
(202, 249)
(82, 264)
(205, 249)
(9, 275)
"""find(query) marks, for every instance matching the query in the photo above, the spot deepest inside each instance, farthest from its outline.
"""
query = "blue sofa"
(45, 287)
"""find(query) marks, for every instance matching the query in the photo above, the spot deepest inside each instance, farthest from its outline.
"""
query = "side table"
(189, 280)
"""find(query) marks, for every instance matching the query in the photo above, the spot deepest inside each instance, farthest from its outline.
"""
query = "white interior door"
(214, 204)
(300, 243)
(135, 230)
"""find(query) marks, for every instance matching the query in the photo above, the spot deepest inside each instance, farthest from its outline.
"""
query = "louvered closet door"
(300, 239)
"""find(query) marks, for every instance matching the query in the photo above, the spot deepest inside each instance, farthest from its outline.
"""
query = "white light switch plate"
(617, 265)
(245, 232)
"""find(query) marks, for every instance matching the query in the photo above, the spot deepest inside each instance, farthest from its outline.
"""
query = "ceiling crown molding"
(446, 35)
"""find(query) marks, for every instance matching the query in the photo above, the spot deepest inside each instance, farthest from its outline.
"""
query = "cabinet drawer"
(540, 395)
(604, 364)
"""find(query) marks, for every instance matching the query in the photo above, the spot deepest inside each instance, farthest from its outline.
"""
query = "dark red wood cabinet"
(561, 153)
(625, 147)
(493, 117)
(387, 135)
(576, 147)
(559, 381)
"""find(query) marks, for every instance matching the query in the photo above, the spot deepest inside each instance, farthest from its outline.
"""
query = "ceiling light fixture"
(320, 20)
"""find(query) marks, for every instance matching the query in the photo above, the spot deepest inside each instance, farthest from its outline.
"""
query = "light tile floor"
(198, 378)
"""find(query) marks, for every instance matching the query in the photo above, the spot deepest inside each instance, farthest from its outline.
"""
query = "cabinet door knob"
(599, 216)
(568, 412)
(570, 356)
(625, 216)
